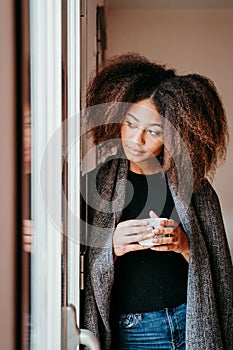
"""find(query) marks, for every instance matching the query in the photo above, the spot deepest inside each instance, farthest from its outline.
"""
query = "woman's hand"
(27, 235)
(174, 238)
(127, 235)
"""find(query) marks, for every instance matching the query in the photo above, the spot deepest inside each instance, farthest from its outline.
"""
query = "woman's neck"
(146, 169)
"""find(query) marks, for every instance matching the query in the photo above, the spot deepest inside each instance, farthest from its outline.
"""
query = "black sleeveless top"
(148, 280)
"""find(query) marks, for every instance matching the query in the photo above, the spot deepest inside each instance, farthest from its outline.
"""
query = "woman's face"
(142, 136)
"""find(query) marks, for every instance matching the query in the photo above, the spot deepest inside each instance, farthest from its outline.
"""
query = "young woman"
(170, 133)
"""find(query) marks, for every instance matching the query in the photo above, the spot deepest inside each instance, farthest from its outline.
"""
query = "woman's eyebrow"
(136, 119)
(132, 116)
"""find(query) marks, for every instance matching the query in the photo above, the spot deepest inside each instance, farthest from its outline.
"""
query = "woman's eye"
(154, 133)
(130, 124)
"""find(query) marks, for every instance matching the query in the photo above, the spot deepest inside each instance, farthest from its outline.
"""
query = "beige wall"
(7, 175)
(190, 41)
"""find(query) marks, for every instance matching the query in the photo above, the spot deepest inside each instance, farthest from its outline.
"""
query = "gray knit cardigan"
(209, 294)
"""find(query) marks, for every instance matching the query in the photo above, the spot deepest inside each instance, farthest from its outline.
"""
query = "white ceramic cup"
(155, 223)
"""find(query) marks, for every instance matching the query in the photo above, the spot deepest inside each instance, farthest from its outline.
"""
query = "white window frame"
(46, 114)
(73, 77)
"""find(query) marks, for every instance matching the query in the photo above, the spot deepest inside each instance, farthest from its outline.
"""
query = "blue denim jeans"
(164, 329)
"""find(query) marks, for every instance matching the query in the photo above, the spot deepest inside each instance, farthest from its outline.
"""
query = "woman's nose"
(139, 136)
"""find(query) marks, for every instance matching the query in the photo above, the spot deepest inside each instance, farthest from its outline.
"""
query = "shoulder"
(106, 171)
(205, 191)
(206, 202)
(101, 168)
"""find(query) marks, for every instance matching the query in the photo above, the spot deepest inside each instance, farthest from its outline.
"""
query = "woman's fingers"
(163, 248)
(128, 236)
(133, 223)
(140, 237)
(171, 239)
(176, 241)
(27, 235)
(169, 222)
(130, 232)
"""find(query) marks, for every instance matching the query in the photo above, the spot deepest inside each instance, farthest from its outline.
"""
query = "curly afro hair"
(193, 114)
(122, 78)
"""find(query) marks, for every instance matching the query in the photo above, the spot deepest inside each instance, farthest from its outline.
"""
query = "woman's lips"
(135, 151)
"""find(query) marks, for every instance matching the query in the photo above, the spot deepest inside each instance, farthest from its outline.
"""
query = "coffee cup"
(154, 223)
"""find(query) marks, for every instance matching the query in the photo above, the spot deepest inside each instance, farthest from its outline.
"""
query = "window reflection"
(26, 176)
